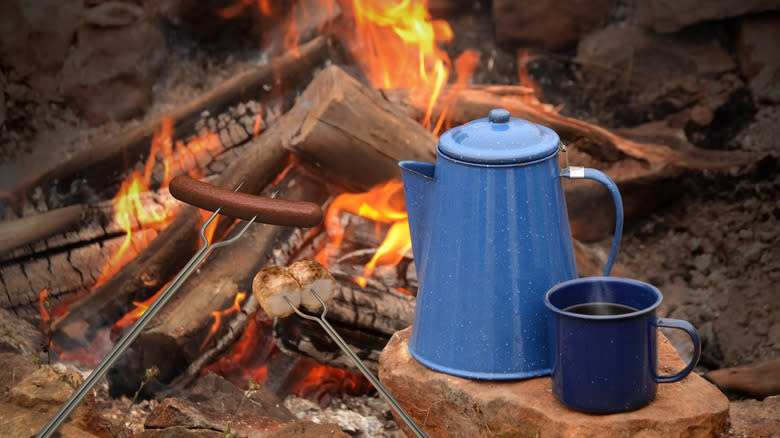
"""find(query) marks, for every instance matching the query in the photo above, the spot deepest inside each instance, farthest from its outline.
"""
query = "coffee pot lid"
(499, 139)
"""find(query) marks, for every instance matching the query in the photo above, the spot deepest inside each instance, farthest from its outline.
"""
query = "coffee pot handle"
(687, 327)
(574, 172)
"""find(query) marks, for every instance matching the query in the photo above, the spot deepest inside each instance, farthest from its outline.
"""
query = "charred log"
(364, 317)
(187, 326)
(353, 133)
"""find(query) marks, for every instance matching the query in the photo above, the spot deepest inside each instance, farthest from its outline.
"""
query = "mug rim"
(604, 279)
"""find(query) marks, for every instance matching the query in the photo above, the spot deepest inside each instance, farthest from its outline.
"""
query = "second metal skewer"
(408, 420)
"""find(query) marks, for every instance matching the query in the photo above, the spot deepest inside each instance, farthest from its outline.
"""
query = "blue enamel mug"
(605, 343)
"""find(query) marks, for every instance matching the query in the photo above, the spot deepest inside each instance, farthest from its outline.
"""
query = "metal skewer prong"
(127, 339)
(358, 363)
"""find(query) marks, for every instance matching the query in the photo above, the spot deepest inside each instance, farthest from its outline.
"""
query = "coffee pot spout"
(419, 185)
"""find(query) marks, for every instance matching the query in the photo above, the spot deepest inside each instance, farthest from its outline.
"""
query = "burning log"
(73, 261)
(643, 168)
(166, 255)
(193, 322)
(466, 104)
(290, 68)
(365, 317)
(262, 159)
(355, 134)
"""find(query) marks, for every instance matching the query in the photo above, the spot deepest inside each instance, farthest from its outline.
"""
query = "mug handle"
(575, 172)
(691, 330)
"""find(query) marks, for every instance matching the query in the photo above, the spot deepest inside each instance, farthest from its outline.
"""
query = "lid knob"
(498, 115)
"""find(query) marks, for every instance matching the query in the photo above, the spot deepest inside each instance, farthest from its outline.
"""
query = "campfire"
(328, 97)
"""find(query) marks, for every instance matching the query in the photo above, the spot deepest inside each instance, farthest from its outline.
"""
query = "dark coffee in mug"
(600, 309)
(604, 332)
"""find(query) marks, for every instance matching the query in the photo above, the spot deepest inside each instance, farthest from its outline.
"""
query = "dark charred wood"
(364, 317)
(355, 135)
(184, 325)
(167, 254)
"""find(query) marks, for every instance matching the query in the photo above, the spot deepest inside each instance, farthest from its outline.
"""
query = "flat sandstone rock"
(449, 406)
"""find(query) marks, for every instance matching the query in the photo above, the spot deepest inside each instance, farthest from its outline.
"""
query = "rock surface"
(758, 55)
(672, 15)
(753, 418)
(35, 38)
(550, 24)
(214, 403)
(108, 87)
(31, 402)
(448, 406)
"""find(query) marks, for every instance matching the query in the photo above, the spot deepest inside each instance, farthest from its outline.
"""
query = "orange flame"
(381, 204)
(258, 122)
(128, 206)
(44, 303)
(396, 45)
(217, 314)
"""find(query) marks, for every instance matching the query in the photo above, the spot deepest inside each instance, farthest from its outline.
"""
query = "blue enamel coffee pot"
(490, 235)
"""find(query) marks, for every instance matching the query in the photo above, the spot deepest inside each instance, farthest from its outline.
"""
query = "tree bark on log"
(353, 133)
(365, 317)
(290, 69)
(183, 327)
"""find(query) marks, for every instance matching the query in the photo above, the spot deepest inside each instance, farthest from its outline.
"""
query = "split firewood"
(260, 162)
(353, 133)
(365, 317)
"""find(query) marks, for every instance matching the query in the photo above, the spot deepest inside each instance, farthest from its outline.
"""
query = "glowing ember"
(44, 302)
(258, 123)
(249, 354)
(321, 380)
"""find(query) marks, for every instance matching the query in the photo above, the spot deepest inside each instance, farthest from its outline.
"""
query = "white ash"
(362, 416)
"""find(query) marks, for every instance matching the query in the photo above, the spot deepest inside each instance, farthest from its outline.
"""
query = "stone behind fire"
(35, 37)
(108, 74)
(548, 24)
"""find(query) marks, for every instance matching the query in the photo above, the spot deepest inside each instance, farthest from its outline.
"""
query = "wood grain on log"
(353, 133)
(364, 317)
